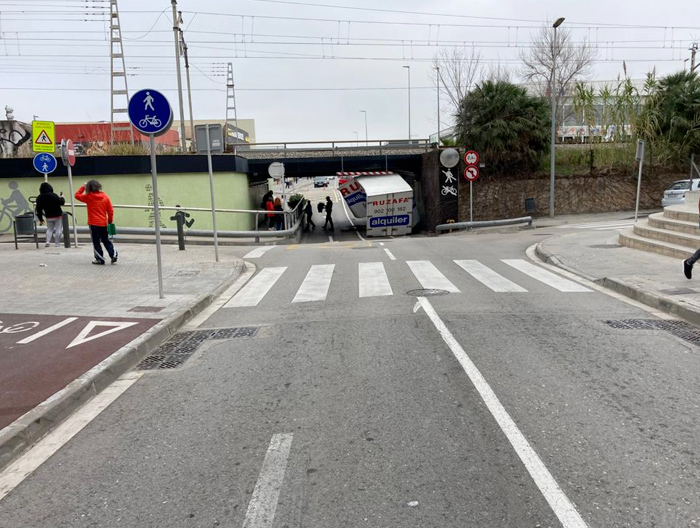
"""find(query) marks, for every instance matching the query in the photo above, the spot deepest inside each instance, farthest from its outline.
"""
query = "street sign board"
(471, 157)
(68, 152)
(639, 156)
(150, 112)
(449, 157)
(471, 173)
(45, 163)
(43, 136)
(276, 170)
(216, 139)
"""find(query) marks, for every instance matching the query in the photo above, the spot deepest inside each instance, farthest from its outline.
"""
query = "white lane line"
(381, 243)
(345, 208)
(316, 284)
(373, 280)
(24, 466)
(330, 238)
(563, 508)
(488, 277)
(50, 329)
(390, 254)
(259, 252)
(263, 503)
(550, 279)
(253, 292)
(430, 277)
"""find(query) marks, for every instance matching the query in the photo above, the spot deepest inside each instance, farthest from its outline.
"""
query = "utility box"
(216, 138)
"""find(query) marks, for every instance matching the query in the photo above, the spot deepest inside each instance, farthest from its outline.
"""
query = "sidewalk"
(68, 328)
(652, 279)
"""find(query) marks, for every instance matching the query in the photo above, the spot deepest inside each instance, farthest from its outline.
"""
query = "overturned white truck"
(384, 199)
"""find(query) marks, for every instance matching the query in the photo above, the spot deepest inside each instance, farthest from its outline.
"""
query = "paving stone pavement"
(61, 281)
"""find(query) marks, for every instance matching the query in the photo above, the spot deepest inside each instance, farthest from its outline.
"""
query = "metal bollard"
(66, 230)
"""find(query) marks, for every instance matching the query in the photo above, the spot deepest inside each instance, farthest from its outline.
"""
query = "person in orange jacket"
(100, 213)
(689, 263)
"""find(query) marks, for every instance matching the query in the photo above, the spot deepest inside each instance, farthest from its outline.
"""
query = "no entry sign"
(471, 157)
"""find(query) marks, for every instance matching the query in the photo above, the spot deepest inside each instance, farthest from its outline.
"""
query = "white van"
(675, 194)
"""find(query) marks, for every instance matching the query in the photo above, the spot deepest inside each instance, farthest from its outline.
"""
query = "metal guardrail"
(485, 223)
(380, 145)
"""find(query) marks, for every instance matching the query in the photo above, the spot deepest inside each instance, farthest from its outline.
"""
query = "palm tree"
(506, 124)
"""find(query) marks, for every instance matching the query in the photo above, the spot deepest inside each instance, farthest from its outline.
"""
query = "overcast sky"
(303, 79)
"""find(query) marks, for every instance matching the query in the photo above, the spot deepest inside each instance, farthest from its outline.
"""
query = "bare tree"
(573, 62)
(456, 70)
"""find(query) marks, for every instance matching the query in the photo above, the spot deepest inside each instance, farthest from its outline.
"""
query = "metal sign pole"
(156, 213)
(72, 204)
(640, 157)
(213, 204)
(471, 201)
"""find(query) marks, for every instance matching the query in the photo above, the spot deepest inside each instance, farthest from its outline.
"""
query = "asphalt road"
(352, 410)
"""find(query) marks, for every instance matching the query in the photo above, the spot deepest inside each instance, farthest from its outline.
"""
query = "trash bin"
(529, 205)
(25, 224)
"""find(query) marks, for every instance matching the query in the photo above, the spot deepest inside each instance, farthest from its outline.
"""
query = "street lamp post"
(176, 32)
(437, 82)
(553, 95)
(409, 103)
(357, 139)
(366, 136)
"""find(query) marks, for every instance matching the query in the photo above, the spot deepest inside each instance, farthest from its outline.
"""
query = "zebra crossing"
(373, 280)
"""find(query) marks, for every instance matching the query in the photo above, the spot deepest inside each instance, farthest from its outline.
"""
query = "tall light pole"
(176, 33)
(553, 95)
(189, 89)
(437, 82)
(357, 139)
(409, 103)
(366, 136)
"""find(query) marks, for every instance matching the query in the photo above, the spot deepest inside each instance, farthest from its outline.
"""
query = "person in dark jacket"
(279, 219)
(48, 204)
(309, 212)
(329, 212)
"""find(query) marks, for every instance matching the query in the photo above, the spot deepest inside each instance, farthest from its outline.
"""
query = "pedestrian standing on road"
(279, 219)
(689, 263)
(270, 206)
(100, 214)
(309, 212)
(48, 204)
(329, 215)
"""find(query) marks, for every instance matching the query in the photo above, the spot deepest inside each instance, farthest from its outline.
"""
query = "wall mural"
(15, 204)
(13, 135)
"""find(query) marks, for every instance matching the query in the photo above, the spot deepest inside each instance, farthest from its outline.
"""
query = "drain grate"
(678, 291)
(145, 309)
(680, 329)
(428, 292)
(180, 347)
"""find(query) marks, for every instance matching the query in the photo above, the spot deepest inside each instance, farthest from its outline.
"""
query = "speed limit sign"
(471, 157)
(471, 173)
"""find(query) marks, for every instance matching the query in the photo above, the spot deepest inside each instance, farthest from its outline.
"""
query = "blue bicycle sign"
(150, 112)
(45, 163)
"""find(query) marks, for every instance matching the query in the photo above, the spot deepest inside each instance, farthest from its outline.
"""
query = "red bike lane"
(41, 354)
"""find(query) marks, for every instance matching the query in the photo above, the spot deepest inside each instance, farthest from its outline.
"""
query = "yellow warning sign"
(43, 136)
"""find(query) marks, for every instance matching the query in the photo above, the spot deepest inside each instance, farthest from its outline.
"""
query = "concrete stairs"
(674, 233)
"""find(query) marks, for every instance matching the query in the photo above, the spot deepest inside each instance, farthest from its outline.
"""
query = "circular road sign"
(45, 163)
(276, 170)
(449, 157)
(68, 152)
(471, 173)
(150, 112)
(471, 157)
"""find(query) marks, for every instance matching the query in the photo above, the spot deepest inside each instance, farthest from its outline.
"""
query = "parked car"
(675, 194)
(320, 181)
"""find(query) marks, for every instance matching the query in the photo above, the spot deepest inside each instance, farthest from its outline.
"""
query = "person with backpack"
(309, 212)
(100, 214)
(329, 213)
(48, 204)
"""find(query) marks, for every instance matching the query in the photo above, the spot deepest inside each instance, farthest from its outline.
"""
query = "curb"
(653, 299)
(31, 427)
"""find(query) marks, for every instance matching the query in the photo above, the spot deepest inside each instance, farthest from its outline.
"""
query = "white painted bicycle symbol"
(150, 120)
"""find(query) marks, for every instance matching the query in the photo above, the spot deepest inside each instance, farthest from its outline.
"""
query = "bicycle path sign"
(45, 163)
(150, 112)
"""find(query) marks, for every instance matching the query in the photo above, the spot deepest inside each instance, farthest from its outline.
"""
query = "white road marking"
(345, 208)
(82, 337)
(381, 243)
(259, 252)
(316, 284)
(373, 280)
(263, 503)
(563, 508)
(430, 277)
(390, 254)
(550, 279)
(330, 238)
(50, 329)
(24, 466)
(214, 307)
(488, 277)
(253, 292)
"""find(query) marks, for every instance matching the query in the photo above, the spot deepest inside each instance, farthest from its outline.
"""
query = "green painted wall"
(188, 190)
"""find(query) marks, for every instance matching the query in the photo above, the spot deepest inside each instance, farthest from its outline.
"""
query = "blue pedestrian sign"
(45, 163)
(150, 112)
